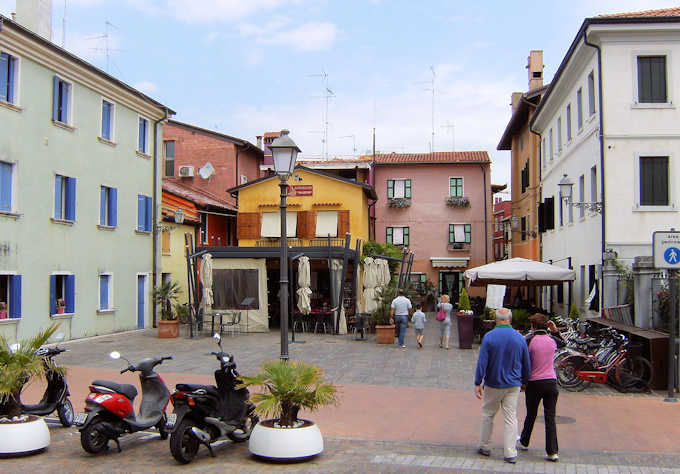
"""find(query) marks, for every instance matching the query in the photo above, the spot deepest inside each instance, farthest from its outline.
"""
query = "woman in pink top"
(542, 383)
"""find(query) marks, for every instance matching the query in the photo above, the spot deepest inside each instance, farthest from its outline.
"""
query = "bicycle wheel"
(638, 367)
(566, 370)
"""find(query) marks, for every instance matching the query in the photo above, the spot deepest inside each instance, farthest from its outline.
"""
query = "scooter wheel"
(91, 438)
(65, 412)
(243, 433)
(183, 444)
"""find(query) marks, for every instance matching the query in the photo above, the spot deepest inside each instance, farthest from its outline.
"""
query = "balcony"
(454, 246)
(399, 202)
(458, 201)
(295, 242)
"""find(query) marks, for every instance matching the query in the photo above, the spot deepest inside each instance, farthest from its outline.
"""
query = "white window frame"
(110, 293)
(669, 77)
(63, 198)
(552, 144)
(71, 93)
(113, 120)
(567, 116)
(15, 183)
(63, 286)
(579, 109)
(17, 78)
(147, 150)
(671, 179)
(559, 135)
(595, 104)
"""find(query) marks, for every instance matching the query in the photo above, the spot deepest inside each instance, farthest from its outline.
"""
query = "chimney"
(535, 68)
(36, 15)
(514, 100)
(259, 141)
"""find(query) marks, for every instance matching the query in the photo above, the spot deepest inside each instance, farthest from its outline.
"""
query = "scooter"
(57, 393)
(109, 412)
(204, 414)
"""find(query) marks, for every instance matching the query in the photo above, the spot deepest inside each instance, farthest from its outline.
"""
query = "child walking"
(418, 319)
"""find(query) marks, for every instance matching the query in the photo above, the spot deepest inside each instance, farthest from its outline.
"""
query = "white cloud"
(209, 11)
(311, 36)
(146, 87)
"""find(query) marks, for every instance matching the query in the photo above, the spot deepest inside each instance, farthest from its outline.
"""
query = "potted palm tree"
(164, 296)
(21, 434)
(384, 329)
(288, 387)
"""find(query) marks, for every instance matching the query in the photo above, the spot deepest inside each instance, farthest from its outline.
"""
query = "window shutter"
(58, 195)
(468, 233)
(103, 292)
(71, 199)
(113, 207)
(550, 213)
(141, 203)
(390, 188)
(660, 177)
(149, 215)
(406, 235)
(70, 291)
(388, 236)
(106, 120)
(53, 294)
(5, 187)
(140, 145)
(4, 74)
(306, 224)
(658, 78)
(55, 98)
(248, 225)
(11, 77)
(541, 217)
(407, 189)
(102, 205)
(15, 296)
(343, 223)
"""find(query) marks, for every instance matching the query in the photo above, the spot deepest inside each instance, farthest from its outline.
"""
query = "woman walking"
(542, 383)
(445, 324)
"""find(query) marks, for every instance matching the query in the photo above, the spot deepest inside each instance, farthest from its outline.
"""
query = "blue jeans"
(401, 321)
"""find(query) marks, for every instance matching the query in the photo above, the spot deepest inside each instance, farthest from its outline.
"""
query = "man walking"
(400, 311)
(503, 367)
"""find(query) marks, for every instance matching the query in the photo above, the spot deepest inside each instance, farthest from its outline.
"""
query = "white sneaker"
(521, 447)
(552, 457)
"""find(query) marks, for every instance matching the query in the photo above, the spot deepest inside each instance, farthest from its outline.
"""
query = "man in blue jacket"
(503, 367)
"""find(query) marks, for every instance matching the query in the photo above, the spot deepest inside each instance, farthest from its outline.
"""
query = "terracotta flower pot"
(384, 334)
(168, 329)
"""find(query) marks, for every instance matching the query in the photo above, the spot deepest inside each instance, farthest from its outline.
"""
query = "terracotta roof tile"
(272, 134)
(195, 195)
(645, 13)
(437, 157)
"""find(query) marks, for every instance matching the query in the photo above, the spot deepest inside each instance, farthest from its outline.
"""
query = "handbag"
(441, 315)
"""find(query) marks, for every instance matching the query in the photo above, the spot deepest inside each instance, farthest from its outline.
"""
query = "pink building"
(502, 212)
(440, 206)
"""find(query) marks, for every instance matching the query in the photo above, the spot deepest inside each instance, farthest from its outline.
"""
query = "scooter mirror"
(217, 337)
(59, 336)
(114, 355)
(14, 347)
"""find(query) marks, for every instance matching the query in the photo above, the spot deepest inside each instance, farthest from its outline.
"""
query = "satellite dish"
(207, 171)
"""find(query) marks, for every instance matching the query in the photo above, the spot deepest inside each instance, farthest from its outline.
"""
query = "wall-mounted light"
(566, 190)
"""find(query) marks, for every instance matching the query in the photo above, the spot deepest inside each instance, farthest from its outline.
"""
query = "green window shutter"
(407, 189)
(423, 278)
(388, 239)
(390, 188)
(468, 231)
(451, 234)
(406, 235)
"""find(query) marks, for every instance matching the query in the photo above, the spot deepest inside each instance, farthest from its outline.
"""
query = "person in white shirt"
(399, 314)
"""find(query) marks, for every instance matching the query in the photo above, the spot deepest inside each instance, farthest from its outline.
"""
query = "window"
(231, 287)
(559, 134)
(61, 100)
(561, 210)
(143, 136)
(593, 184)
(165, 242)
(398, 235)
(8, 78)
(579, 108)
(652, 79)
(170, 158)
(654, 180)
(399, 188)
(459, 233)
(525, 177)
(550, 134)
(581, 194)
(105, 292)
(456, 187)
(543, 155)
(591, 93)
(204, 228)
(107, 120)
(271, 224)
(6, 186)
(144, 216)
(10, 296)
(568, 122)
(546, 214)
(108, 206)
(524, 227)
(65, 198)
(62, 294)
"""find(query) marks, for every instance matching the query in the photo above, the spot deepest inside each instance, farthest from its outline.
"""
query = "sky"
(243, 67)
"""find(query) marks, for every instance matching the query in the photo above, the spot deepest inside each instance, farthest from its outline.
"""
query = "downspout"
(486, 227)
(601, 137)
(540, 189)
(154, 229)
(237, 182)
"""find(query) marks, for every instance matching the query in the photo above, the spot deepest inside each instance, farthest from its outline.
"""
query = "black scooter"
(205, 413)
(56, 394)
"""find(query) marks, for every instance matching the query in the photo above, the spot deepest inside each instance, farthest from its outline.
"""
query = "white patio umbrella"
(336, 268)
(206, 275)
(304, 292)
(519, 272)
(370, 301)
(384, 271)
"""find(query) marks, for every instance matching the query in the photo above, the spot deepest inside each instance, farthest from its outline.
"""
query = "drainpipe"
(601, 137)
(540, 189)
(237, 182)
(486, 228)
(154, 228)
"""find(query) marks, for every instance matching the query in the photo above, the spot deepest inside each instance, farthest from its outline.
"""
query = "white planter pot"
(24, 438)
(287, 444)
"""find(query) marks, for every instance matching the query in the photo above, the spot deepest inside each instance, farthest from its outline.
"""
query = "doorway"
(141, 300)
(450, 283)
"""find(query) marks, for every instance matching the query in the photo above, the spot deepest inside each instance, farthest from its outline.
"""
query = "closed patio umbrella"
(304, 292)
(370, 302)
(206, 275)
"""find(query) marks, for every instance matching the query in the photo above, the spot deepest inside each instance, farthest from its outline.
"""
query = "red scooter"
(109, 412)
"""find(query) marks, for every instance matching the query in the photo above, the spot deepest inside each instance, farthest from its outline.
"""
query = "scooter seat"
(130, 391)
(192, 387)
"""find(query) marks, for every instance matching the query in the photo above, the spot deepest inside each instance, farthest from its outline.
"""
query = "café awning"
(449, 262)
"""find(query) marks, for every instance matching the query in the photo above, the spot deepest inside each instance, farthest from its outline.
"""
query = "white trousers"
(505, 399)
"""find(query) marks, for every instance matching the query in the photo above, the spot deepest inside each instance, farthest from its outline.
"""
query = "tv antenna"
(431, 89)
(327, 95)
(107, 46)
(63, 27)
(354, 142)
(452, 128)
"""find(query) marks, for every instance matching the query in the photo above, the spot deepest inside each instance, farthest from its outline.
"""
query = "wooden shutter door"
(248, 225)
(306, 224)
(343, 223)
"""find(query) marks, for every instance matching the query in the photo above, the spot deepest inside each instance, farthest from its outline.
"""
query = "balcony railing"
(295, 242)
(458, 246)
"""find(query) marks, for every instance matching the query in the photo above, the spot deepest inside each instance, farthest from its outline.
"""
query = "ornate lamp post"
(284, 151)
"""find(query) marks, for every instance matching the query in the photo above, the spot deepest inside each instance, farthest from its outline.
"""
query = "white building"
(610, 124)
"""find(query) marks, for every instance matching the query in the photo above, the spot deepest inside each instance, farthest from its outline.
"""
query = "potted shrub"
(21, 434)
(164, 296)
(465, 318)
(61, 306)
(384, 329)
(288, 387)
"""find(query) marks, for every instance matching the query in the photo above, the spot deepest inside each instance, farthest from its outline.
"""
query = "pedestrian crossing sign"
(666, 249)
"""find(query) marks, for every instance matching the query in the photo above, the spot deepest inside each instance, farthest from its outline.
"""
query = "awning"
(448, 262)
(519, 272)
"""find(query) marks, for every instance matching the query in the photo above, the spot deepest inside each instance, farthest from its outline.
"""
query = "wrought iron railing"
(295, 242)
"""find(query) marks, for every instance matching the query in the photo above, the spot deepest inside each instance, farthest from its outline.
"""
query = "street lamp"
(566, 193)
(284, 151)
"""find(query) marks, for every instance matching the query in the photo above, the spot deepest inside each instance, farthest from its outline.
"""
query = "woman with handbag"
(444, 318)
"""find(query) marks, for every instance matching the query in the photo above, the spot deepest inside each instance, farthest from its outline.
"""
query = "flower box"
(454, 201)
(398, 202)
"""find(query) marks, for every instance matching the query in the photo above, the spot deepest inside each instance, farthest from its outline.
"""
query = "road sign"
(666, 249)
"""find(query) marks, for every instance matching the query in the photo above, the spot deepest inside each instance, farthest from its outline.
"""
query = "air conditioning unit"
(186, 171)
(244, 179)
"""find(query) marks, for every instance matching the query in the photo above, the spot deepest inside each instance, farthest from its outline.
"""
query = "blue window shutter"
(58, 194)
(15, 296)
(113, 207)
(65, 99)
(70, 291)
(149, 215)
(142, 134)
(141, 209)
(71, 199)
(55, 98)
(106, 120)
(53, 294)
(102, 205)
(103, 291)
(11, 77)
(4, 73)
(5, 187)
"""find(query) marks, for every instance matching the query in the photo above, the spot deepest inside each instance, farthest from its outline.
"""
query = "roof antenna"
(63, 27)
(327, 94)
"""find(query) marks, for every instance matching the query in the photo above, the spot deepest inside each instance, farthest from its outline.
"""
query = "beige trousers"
(505, 399)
